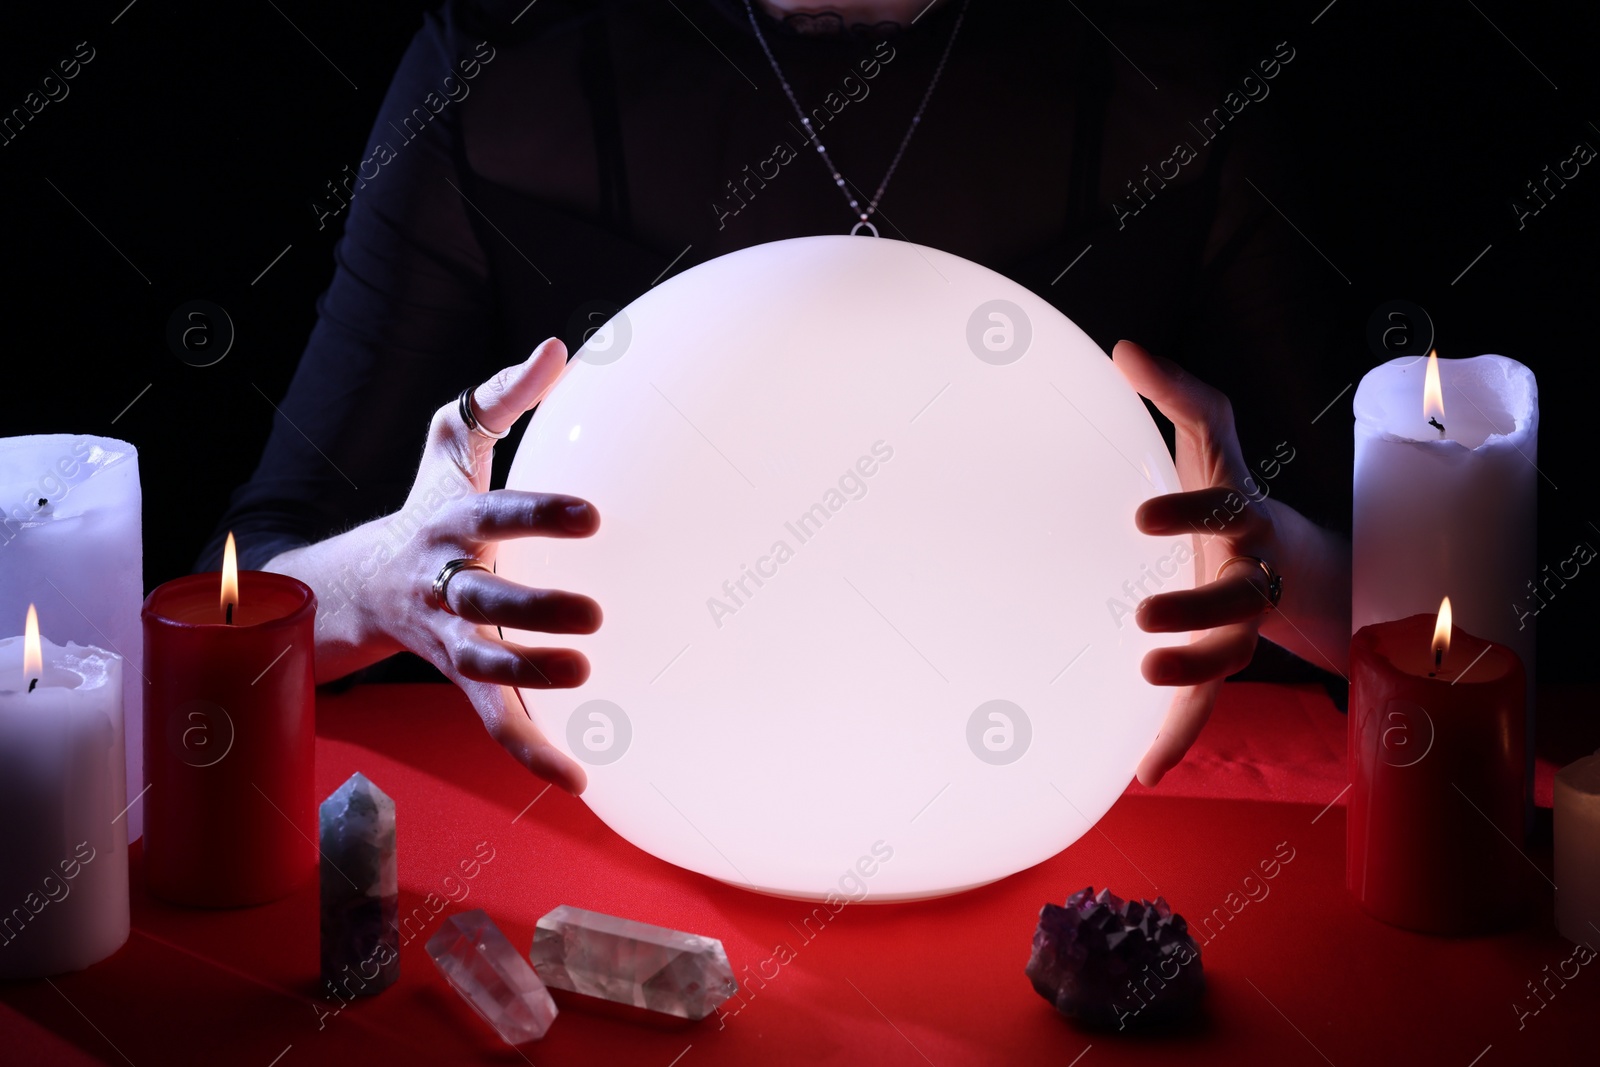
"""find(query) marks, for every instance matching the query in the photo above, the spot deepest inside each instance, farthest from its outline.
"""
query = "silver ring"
(1274, 579)
(441, 581)
(464, 406)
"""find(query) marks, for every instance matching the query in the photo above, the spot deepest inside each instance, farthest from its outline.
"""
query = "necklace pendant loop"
(864, 223)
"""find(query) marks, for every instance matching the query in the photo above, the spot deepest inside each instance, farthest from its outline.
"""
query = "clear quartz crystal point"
(632, 963)
(480, 963)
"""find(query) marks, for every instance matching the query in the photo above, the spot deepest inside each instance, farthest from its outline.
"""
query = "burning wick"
(230, 580)
(32, 651)
(1441, 636)
(1433, 395)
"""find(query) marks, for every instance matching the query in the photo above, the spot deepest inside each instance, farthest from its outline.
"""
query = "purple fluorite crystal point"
(360, 890)
(1110, 962)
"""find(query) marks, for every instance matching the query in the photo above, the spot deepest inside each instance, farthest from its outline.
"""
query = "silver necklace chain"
(865, 220)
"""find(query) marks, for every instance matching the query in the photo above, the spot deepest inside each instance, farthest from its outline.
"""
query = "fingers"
(1230, 610)
(1207, 447)
(1221, 652)
(506, 513)
(484, 598)
(502, 399)
(482, 658)
(1217, 509)
(508, 723)
(496, 404)
(1240, 595)
(1189, 711)
(1183, 398)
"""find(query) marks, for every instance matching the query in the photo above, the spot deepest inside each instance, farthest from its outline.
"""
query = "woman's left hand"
(1227, 613)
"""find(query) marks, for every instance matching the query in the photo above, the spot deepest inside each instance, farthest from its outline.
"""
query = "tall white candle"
(70, 542)
(63, 860)
(1448, 507)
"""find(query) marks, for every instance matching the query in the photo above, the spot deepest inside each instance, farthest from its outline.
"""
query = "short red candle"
(230, 740)
(1436, 778)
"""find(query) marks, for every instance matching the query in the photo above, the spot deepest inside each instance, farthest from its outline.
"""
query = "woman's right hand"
(450, 514)
(1224, 613)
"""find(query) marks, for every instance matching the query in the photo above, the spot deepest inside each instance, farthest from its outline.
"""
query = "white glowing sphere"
(868, 563)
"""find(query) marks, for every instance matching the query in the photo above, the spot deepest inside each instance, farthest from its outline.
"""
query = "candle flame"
(230, 577)
(32, 654)
(1432, 393)
(1441, 631)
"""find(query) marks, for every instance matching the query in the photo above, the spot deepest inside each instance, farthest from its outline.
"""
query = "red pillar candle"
(1436, 766)
(230, 733)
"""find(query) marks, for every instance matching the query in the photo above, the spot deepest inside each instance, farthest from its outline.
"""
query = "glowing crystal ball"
(868, 564)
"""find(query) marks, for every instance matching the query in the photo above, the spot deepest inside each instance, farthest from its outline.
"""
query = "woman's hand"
(1229, 515)
(451, 514)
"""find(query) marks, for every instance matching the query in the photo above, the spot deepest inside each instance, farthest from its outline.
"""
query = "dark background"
(197, 138)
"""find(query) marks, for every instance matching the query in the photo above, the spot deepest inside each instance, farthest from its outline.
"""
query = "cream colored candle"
(1577, 832)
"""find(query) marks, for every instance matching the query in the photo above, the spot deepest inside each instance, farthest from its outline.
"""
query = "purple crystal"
(360, 890)
(1110, 962)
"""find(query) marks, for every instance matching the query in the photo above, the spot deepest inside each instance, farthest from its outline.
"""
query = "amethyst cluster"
(1111, 962)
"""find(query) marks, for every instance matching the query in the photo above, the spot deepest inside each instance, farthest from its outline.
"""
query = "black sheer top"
(529, 161)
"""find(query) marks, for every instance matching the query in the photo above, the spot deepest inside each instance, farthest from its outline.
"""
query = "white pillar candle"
(70, 543)
(1577, 850)
(63, 860)
(1448, 512)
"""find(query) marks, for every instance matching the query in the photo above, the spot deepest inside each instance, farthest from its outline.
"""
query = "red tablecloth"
(1299, 975)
